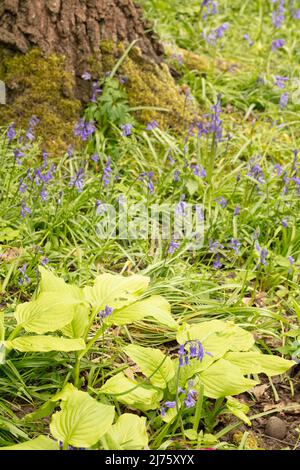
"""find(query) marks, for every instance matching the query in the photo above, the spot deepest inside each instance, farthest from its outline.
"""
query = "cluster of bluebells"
(24, 279)
(211, 125)
(107, 172)
(210, 7)
(84, 130)
(126, 129)
(147, 176)
(33, 122)
(247, 38)
(77, 181)
(278, 14)
(255, 171)
(195, 351)
(263, 254)
(281, 81)
(106, 312)
(173, 247)
(277, 44)
(61, 446)
(11, 132)
(189, 400)
(284, 99)
(152, 125)
(101, 208)
(216, 34)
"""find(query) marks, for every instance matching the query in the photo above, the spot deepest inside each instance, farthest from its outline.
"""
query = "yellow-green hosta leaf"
(129, 433)
(223, 378)
(44, 343)
(65, 393)
(2, 327)
(131, 393)
(255, 363)
(115, 290)
(39, 443)
(82, 420)
(199, 331)
(152, 362)
(217, 337)
(238, 409)
(51, 283)
(49, 312)
(79, 323)
(154, 307)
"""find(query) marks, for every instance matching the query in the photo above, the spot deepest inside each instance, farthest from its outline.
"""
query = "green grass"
(264, 299)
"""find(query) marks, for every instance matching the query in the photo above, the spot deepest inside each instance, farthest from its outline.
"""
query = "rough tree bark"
(73, 28)
(46, 46)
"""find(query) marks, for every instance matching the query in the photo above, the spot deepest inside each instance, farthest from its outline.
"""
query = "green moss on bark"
(40, 86)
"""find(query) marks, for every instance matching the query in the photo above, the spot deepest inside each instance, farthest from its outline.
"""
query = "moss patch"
(150, 86)
(42, 87)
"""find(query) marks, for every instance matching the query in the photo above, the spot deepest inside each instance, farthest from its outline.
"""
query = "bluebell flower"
(107, 172)
(101, 208)
(277, 44)
(221, 201)
(278, 15)
(173, 247)
(284, 99)
(77, 181)
(278, 169)
(18, 154)
(126, 128)
(24, 278)
(263, 252)
(11, 132)
(86, 76)
(216, 34)
(106, 312)
(247, 38)
(84, 129)
(152, 125)
(235, 245)
(281, 81)
(236, 211)
(24, 209)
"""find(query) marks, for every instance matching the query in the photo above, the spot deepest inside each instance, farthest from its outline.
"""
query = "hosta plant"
(69, 312)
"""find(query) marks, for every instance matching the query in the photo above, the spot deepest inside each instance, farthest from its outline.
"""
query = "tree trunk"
(47, 45)
(73, 28)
